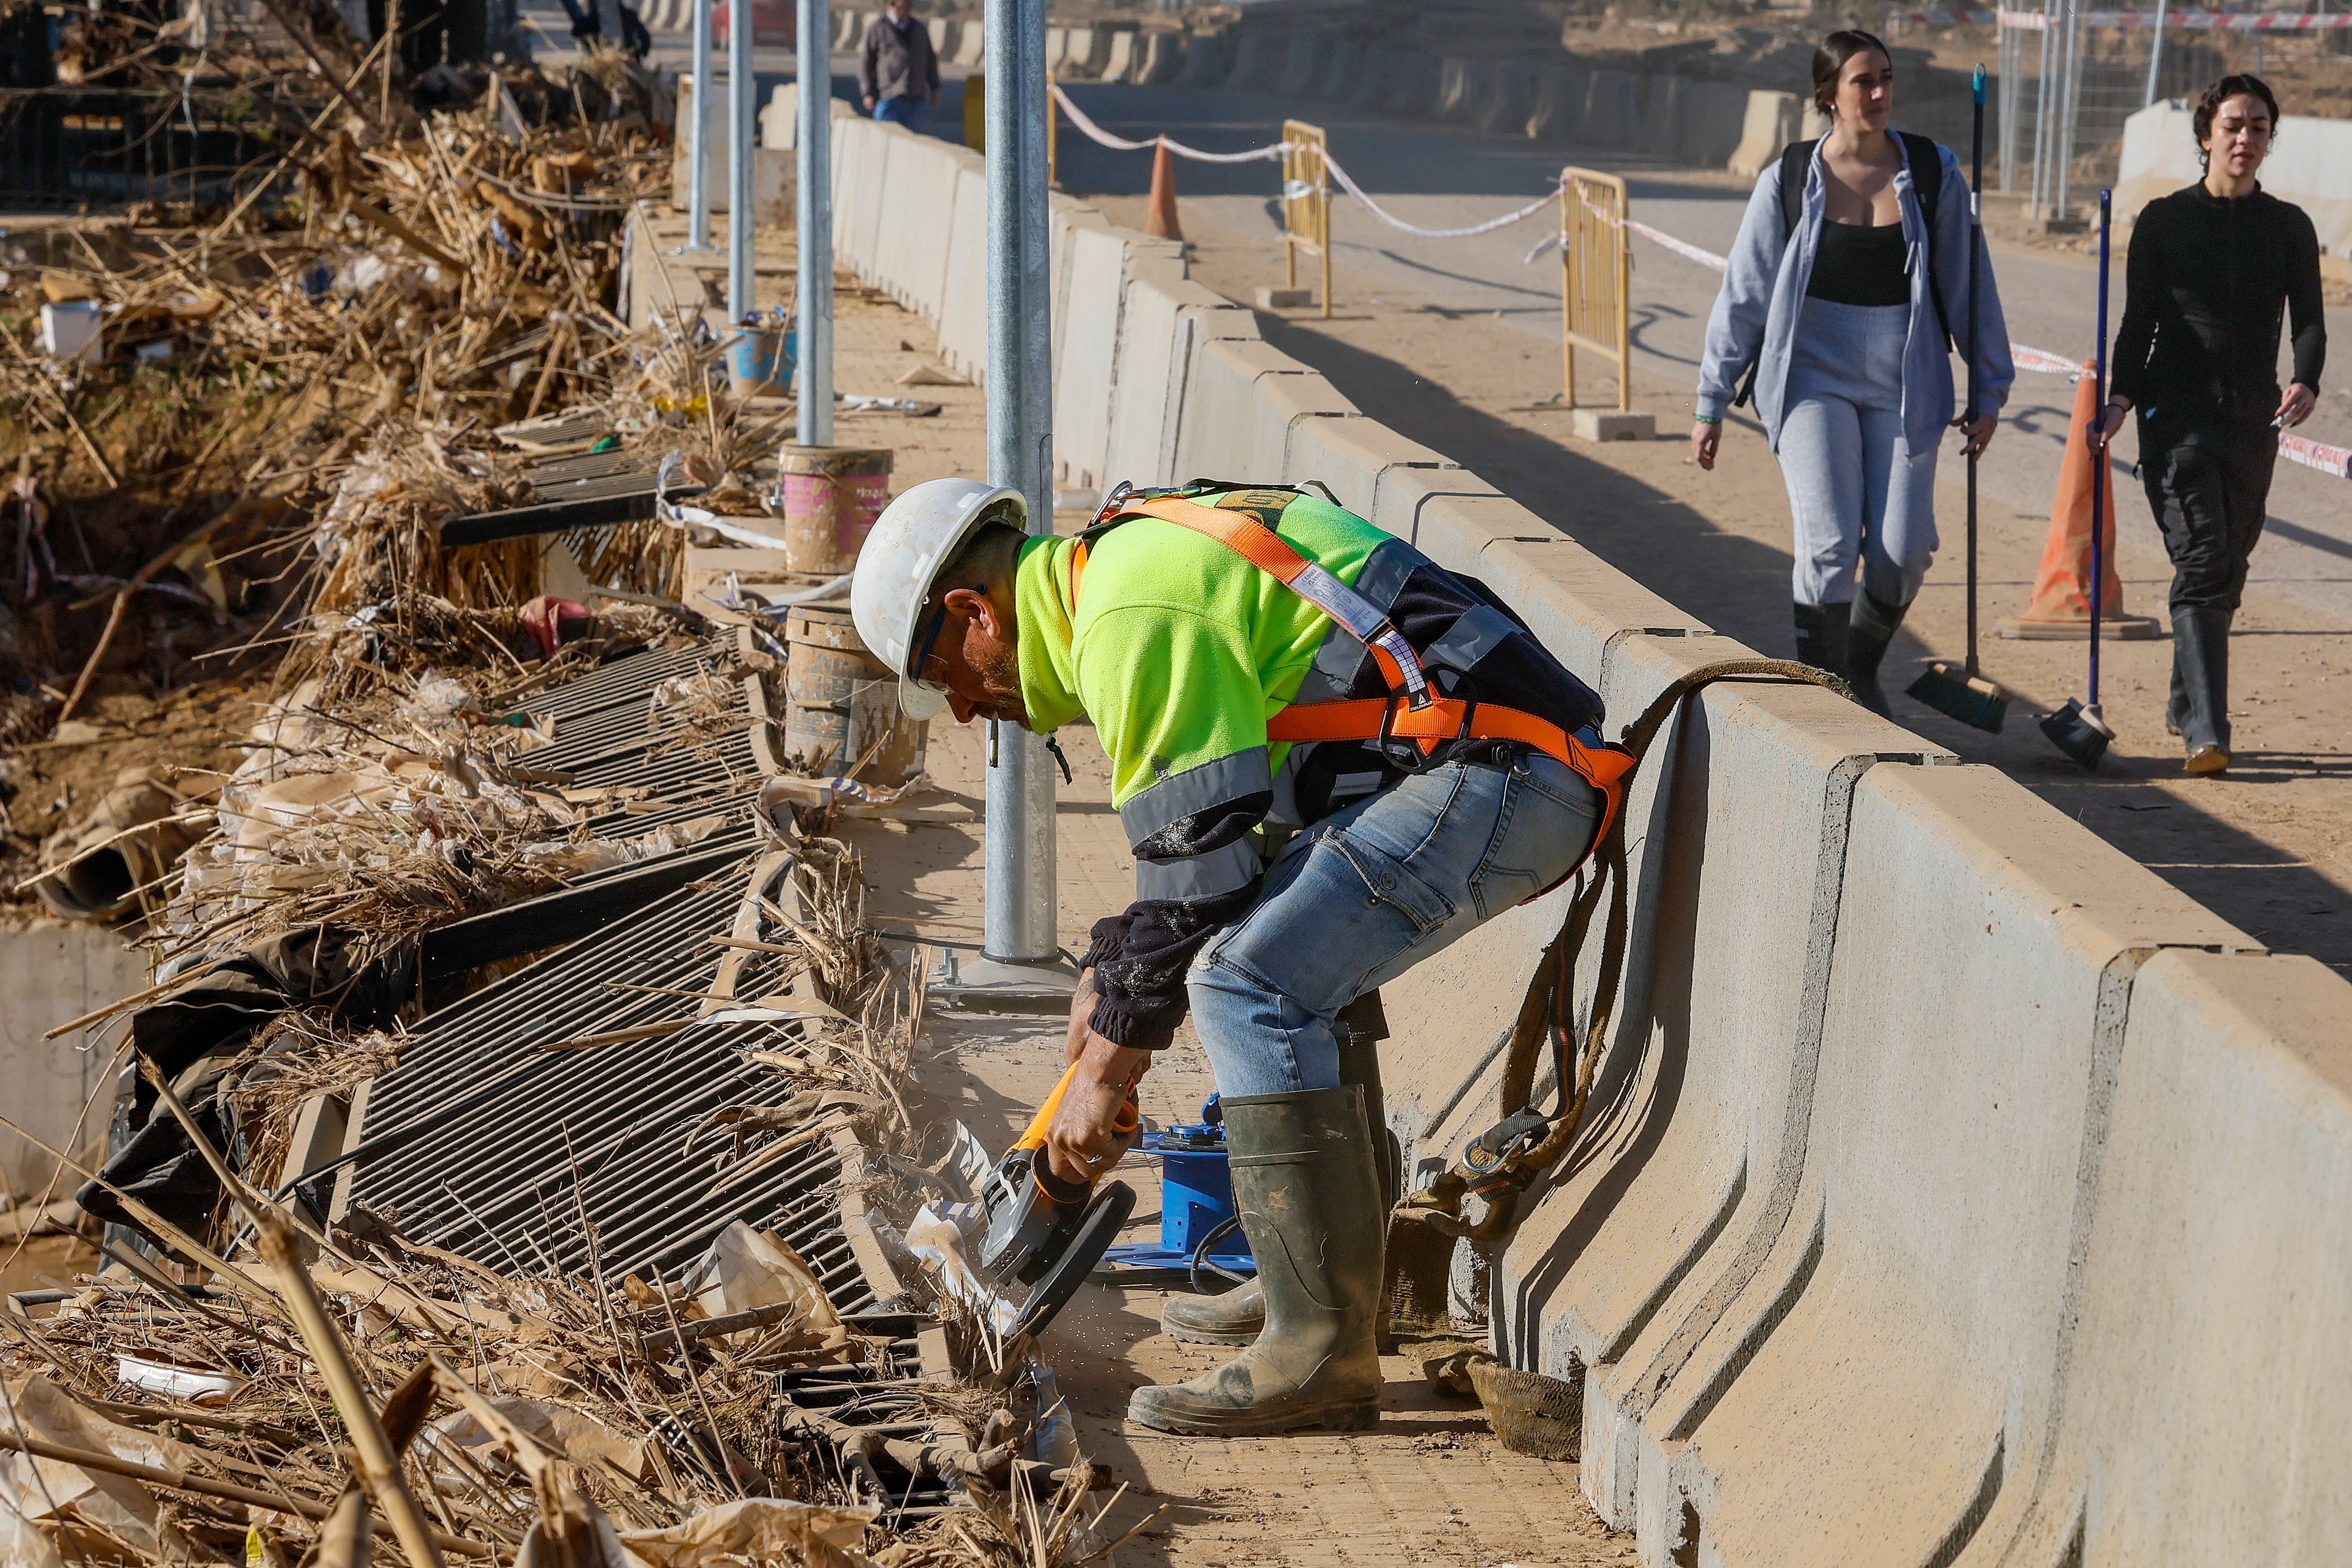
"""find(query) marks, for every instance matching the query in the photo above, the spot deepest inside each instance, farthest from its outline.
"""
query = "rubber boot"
(1872, 626)
(1305, 1183)
(1821, 636)
(1236, 1316)
(2200, 669)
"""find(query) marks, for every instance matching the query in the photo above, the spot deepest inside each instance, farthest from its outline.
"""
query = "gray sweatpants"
(1856, 494)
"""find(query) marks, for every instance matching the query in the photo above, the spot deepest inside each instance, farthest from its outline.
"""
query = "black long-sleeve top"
(2208, 281)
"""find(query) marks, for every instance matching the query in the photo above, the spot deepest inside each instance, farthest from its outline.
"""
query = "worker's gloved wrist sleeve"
(1140, 957)
(1150, 1029)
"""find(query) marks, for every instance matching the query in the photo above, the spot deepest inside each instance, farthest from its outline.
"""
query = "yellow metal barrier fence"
(1305, 203)
(1596, 275)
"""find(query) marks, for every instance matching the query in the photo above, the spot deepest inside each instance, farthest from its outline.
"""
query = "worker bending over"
(1333, 758)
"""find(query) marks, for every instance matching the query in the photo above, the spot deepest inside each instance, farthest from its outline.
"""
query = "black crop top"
(1860, 266)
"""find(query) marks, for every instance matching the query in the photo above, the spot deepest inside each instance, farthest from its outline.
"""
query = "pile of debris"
(286, 1412)
(237, 439)
(333, 1389)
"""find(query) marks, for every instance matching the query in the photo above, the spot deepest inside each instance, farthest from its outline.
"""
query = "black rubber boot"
(1871, 627)
(1305, 1183)
(1821, 636)
(2201, 676)
(1237, 1316)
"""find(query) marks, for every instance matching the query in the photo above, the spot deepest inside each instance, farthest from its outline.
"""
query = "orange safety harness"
(1413, 713)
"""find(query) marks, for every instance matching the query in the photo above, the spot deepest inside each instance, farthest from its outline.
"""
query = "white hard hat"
(915, 537)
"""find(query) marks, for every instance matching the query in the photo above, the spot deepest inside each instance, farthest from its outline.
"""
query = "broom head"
(2081, 732)
(1950, 690)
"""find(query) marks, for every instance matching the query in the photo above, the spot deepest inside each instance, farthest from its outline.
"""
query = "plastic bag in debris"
(759, 1530)
(40, 1497)
(436, 699)
(747, 1268)
(584, 1539)
(1053, 1439)
(848, 796)
(597, 854)
(934, 1237)
(577, 1438)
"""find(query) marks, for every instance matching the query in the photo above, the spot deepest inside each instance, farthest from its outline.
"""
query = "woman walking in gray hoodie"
(1846, 293)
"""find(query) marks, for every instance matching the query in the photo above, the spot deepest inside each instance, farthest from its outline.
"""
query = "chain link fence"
(2069, 77)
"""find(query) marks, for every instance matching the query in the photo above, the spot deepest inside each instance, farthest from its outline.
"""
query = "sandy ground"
(2268, 846)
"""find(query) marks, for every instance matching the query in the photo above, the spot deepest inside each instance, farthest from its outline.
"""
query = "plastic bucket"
(831, 496)
(842, 702)
(762, 360)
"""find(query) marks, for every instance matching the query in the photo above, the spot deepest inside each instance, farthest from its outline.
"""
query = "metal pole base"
(977, 984)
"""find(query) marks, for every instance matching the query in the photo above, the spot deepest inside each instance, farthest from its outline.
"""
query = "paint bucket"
(840, 702)
(831, 496)
(762, 361)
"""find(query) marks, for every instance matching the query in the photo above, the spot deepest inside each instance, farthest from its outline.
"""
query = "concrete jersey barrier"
(2310, 165)
(1954, 1190)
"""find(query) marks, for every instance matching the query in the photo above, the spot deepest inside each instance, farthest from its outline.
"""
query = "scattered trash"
(195, 1385)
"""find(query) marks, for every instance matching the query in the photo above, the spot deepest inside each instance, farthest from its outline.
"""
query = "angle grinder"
(1045, 1232)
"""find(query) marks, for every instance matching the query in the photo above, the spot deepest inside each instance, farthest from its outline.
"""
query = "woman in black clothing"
(2212, 269)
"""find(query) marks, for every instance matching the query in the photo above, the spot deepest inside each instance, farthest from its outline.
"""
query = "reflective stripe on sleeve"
(1228, 870)
(1232, 777)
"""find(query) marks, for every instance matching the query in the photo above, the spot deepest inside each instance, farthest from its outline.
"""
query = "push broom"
(2079, 729)
(1959, 691)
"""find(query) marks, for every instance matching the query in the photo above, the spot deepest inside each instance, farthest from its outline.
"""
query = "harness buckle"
(1404, 753)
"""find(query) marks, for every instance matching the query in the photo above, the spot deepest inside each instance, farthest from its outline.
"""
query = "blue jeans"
(907, 111)
(1364, 895)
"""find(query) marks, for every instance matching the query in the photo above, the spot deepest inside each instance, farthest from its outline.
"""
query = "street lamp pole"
(1021, 945)
(814, 215)
(740, 157)
(698, 233)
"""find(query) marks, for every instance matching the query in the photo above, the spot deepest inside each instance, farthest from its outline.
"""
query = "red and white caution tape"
(2026, 357)
(1898, 20)
(2335, 460)
(1277, 149)
(1094, 133)
(1348, 185)
(2189, 21)
(1683, 248)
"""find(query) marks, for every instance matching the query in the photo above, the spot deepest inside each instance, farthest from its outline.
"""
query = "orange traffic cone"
(1160, 221)
(2061, 607)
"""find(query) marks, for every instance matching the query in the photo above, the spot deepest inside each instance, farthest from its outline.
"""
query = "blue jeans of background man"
(1857, 495)
(907, 111)
(1364, 895)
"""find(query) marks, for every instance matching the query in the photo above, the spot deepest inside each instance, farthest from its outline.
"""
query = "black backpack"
(1927, 183)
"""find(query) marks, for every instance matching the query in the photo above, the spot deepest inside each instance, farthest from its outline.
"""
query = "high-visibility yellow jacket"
(1179, 651)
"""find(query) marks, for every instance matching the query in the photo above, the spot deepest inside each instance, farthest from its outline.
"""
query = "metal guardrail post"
(2156, 55)
(697, 231)
(742, 159)
(1596, 278)
(1022, 964)
(813, 156)
(1305, 203)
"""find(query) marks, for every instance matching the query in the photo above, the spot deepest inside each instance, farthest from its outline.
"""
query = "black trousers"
(2209, 485)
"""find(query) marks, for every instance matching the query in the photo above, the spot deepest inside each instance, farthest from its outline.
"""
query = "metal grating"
(596, 1132)
(572, 1160)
